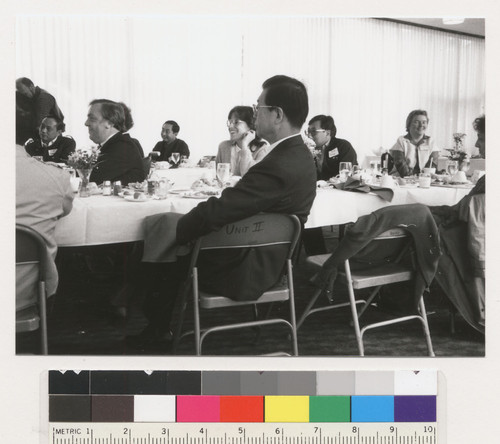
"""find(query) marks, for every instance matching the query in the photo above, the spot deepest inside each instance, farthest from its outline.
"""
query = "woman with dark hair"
(244, 149)
(414, 151)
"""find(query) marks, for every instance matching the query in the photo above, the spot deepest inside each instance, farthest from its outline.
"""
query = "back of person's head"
(290, 95)
(113, 112)
(415, 112)
(60, 125)
(129, 121)
(25, 81)
(175, 126)
(243, 113)
(326, 123)
(479, 124)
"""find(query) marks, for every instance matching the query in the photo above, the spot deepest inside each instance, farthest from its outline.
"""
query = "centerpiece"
(457, 153)
(83, 161)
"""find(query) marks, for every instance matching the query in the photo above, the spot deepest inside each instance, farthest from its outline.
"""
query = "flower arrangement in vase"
(83, 161)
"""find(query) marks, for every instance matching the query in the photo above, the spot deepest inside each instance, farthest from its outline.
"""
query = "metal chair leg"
(42, 306)
(354, 311)
(427, 332)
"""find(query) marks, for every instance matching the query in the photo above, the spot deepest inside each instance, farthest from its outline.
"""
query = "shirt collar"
(50, 143)
(271, 147)
(420, 142)
(102, 144)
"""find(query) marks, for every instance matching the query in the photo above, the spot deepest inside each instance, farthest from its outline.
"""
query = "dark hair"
(175, 126)
(25, 81)
(112, 112)
(60, 125)
(129, 122)
(326, 123)
(415, 112)
(244, 113)
(290, 95)
(479, 124)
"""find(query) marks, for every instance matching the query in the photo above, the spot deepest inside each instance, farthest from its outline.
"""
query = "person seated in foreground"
(43, 196)
(284, 181)
(244, 149)
(129, 123)
(323, 131)
(119, 158)
(52, 144)
(170, 143)
(461, 269)
(414, 151)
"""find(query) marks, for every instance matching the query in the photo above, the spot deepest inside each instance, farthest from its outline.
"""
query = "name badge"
(52, 152)
(333, 153)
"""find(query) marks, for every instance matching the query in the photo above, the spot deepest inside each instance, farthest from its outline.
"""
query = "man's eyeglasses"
(313, 132)
(234, 122)
(256, 107)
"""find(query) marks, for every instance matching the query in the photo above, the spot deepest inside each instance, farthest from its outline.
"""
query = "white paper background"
(472, 388)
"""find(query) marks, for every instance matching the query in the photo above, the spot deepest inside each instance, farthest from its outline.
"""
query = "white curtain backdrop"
(367, 73)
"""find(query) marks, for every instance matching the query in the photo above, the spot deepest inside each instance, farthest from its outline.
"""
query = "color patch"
(154, 408)
(128, 383)
(415, 408)
(112, 408)
(415, 382)
(259, 383)
(335, 383)
(198, 408)
(372, 408)
(69, 383)
(72, 408)
(183, 383)
(374, 383)
(220, 383)
(286, 409)
(241, 409)
(297, 383)
(329, 409)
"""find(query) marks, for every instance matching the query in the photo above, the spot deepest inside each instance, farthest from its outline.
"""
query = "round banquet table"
(101, 219)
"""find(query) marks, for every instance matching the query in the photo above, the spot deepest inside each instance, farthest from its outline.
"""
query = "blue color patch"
(372, 408)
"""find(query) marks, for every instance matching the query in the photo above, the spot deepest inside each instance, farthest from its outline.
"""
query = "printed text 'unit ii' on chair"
(262, 230)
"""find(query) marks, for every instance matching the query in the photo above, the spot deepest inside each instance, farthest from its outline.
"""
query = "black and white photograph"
(322, 194)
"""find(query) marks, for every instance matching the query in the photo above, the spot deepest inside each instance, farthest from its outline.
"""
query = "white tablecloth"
(182, 177)
(99, 219)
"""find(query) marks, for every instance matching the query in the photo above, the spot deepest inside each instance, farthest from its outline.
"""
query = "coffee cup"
(429, 170)
(387, 182)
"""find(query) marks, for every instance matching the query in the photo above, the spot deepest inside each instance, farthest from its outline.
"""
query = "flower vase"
(84, 174)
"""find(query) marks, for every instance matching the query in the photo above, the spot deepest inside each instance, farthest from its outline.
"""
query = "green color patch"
(329, 409)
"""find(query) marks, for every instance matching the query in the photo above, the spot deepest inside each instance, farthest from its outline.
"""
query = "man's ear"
(280, 115)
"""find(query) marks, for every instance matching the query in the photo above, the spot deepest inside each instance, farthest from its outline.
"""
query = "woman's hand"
(247, 138)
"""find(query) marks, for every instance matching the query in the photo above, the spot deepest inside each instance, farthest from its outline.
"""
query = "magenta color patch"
(198, 408)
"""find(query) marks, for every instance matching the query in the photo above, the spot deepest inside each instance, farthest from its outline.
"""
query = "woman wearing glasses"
(331, 150)
(243, 149)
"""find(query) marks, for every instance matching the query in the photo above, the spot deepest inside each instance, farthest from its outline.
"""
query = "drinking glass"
(176, 157)
(344, 170)
(375, 166)
(223, 173)
(452, 167)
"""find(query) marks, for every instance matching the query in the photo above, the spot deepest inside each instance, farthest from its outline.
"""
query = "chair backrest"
(256, 231)
(31, 248)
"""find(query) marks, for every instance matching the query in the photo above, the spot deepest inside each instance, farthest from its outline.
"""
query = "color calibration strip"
(243, 397)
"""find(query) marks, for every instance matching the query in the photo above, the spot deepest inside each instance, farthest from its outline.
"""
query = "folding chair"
(31, 252)
(392, 270)
(254, 232)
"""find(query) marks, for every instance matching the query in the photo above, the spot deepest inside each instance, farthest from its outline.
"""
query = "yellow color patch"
(286, 409)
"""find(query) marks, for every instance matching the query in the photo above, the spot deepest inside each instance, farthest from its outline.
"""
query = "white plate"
(142, 198)
(197, 195)
(179, 190)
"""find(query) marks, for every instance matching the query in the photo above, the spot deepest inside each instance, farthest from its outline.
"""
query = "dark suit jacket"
(64, 146)
(45, 105)
(338, 150)
(166, 150)
(283, 182)
(119, 160)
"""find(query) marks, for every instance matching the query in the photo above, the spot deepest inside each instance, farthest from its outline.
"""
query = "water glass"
(176, 157)
(452, 167)
(223, 173)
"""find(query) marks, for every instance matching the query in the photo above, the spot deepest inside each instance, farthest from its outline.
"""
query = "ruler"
(243, 433)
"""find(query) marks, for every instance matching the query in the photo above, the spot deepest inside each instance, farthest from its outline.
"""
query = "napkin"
(355, 185)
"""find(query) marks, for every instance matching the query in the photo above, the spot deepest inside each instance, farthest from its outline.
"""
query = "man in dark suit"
(43, 103)
(323, 131)
(283, 182)
(170, 143)
(52, 145)
(119, 158)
